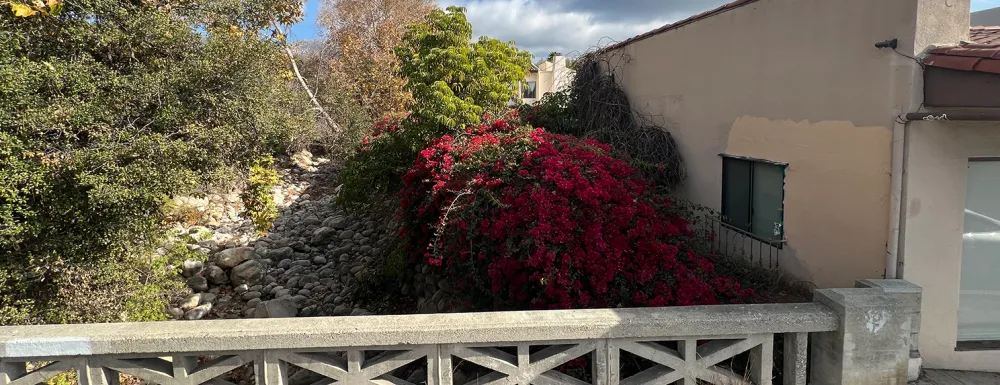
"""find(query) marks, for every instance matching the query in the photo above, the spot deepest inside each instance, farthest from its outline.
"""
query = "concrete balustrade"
(850, 329)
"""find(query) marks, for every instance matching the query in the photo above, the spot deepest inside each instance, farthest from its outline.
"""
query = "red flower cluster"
(532, 219)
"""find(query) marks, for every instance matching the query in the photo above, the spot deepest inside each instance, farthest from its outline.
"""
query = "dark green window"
(753, 196)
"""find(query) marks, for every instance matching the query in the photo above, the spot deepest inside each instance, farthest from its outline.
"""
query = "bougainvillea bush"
(521, 218)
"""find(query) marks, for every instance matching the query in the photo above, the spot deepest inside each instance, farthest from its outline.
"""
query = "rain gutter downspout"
(899, 147)
(900, 153)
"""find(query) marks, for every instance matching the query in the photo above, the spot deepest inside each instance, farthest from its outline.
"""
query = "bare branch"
(305, 86)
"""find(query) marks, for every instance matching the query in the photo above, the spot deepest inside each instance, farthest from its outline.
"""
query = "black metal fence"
(729, 241)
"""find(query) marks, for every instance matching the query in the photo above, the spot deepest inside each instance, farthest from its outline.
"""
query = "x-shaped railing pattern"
(686, 362)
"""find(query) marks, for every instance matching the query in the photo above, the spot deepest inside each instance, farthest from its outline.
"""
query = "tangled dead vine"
(599, 107)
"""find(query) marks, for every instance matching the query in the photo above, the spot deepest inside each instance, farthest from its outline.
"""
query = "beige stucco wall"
(935, 199)
(797, 81)
(835, 178)
(800, 82)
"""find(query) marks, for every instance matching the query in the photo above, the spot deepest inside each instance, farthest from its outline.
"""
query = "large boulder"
(228, 259)
(248, 272)
(276, 308)
(216, 275)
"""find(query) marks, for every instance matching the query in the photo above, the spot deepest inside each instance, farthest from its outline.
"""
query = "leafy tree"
(454, 83)
(453, 80)
(351, 118)
(360, 39)
(107, 109)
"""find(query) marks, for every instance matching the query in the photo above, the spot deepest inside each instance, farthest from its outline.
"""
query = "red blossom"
(550, 221)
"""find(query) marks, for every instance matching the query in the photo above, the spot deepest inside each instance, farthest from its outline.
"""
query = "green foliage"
(375, 171)
(258, 203)
(554, 112)
(378, 285)
(108, 110)
(454, 82)
(351, 116)
(64, 378)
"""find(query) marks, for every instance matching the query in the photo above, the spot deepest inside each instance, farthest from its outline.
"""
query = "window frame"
(534, 90)
(778, 243)
(972, 345)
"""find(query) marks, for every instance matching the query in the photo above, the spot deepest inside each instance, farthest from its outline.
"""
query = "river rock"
(191, 302)
(177, 313)
(216, 275)
(248, 272)
(322, 234)
(280, 253)
(192, 267)
(276, 308)
(228, 259)
(198, 283)
(198, 312)
(207, 298)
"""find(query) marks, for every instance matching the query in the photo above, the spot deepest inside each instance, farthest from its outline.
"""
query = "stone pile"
(307, 265)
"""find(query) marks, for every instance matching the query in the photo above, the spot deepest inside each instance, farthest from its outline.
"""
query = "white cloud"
(540, 29)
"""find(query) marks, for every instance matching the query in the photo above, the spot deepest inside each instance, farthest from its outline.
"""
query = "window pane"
(736, 192)
(530, 90)
(768, 201)
(979, 296)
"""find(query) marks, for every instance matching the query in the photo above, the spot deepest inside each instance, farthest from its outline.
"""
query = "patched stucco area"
(836, 194)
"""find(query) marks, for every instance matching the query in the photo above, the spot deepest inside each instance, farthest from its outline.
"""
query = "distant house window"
(753, 196)
(529, 90)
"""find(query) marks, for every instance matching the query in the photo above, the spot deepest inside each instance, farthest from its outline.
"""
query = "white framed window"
(979, 295)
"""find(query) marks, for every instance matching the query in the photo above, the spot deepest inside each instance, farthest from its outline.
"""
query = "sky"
(567, 26)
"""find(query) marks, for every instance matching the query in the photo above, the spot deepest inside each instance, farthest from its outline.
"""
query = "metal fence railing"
(729, 241)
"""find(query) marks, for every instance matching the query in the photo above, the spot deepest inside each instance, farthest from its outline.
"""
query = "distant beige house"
(850, 161)
(545, 77)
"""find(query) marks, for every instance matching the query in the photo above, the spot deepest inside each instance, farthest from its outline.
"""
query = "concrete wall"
(935, 199)
(799, 82)
(828, 161)
(796, 81)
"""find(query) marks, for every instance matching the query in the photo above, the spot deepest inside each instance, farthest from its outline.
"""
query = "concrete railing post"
(872, 343)
(910, 293)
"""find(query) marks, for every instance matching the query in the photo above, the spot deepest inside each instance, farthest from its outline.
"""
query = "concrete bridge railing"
(846, 336)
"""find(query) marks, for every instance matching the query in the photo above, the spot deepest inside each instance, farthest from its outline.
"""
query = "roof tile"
(985, 35)
(981, 55)
(991, 66)
(952, 62)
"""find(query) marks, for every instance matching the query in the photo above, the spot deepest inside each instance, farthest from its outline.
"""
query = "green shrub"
(554, 112)
(454, 82)
(102, 122)
(258, 203)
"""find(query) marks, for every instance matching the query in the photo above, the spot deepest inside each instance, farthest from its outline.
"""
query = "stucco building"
(545, 77)
(854, 161)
